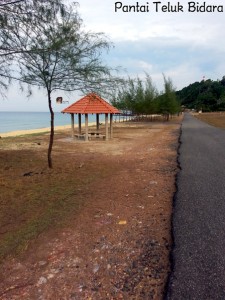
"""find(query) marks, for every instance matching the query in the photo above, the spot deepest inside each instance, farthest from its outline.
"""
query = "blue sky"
(185, 46)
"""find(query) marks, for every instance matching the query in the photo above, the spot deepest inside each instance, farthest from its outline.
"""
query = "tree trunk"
(51, 138)
(167, 117)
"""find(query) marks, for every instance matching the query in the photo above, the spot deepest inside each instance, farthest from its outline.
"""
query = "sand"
(39, 130)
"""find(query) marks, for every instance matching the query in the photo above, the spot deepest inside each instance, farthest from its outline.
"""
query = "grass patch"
(35, 134)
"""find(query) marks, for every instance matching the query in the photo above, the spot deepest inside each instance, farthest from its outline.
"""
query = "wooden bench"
(91, 135)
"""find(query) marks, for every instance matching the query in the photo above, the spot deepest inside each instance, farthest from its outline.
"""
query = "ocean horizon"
(12, 121)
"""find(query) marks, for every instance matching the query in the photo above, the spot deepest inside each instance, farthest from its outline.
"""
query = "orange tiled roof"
(91, 104)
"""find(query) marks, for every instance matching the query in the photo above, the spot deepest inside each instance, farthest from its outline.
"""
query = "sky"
(186, 45)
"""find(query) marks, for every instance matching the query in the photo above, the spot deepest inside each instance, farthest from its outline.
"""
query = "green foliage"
(19, 21)
(142, 97)
(136, 96)
(167, 102)
(57, 54)
(207, 95)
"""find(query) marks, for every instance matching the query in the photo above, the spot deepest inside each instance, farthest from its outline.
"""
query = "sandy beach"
(39, 130)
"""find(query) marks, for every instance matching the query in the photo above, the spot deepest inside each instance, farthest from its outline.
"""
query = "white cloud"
(198, 28)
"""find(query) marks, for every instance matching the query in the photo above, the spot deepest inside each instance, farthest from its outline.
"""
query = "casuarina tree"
(57, 54)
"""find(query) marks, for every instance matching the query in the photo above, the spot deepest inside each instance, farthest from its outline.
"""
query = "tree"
(151, 94)
(223, 81)
(58, 55)
(124, 95)
(142, 97)
(137, 96)
(15, 16)
(167, 101)
(207, 95)
(4, 72)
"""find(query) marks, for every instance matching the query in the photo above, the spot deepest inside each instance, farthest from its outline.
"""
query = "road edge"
(168, 289)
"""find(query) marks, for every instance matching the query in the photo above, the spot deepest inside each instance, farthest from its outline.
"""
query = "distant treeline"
(207, 95)
(141, 97)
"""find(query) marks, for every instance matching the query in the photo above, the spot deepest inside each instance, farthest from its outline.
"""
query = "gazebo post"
(111, 126)
(106, 127)
(97, 122)
(86, 127)
(72, 125)
(92, 104)
(79, 123)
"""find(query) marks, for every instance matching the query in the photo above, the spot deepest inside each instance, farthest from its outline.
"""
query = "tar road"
(198, 257)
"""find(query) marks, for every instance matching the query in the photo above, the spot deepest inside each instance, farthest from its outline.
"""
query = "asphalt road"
(198, 256)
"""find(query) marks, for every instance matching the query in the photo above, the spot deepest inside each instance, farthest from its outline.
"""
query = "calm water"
(11, 121)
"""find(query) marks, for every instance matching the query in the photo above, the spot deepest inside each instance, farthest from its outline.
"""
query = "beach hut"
(92, 104)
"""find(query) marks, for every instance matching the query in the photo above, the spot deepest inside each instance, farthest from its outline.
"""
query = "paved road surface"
(199, 215)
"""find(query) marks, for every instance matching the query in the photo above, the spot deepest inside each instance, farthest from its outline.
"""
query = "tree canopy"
(19, 19)
(142, 97)
(48, 48)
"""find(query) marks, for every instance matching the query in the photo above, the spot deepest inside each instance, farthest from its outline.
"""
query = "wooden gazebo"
(92, 104)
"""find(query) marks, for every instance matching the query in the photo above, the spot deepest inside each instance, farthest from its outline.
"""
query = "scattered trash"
(80, 288)
(122, 222)
(141, 206)
(153, 182)
(109, 214)
(50, 276)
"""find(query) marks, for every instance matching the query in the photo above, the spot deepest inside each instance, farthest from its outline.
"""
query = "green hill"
(207, 95)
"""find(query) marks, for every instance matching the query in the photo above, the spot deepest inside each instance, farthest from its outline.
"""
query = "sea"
(12, 121)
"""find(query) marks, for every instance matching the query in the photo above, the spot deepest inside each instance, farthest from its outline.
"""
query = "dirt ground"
(116, 243)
